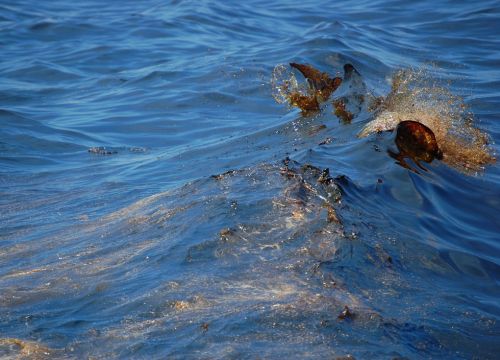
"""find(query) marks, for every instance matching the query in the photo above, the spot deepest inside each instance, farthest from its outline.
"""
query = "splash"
(284, 83)
(416, 96)
(286, 89)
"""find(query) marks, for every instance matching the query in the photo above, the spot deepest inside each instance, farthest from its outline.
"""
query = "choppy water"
(117, 242)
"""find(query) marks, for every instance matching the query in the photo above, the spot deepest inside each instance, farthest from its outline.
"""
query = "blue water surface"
(117, 242)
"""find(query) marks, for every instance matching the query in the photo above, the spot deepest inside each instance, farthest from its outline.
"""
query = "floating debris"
(223, 175)
(101, 150)
(327, 141)
(225, 233)
(346, 314)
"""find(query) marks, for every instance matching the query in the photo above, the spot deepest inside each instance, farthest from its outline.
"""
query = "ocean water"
(157, 202)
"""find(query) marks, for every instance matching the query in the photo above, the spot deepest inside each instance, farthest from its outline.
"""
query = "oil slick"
(13, 348)
(415, 97)
(308, 98)
(320, 83)
(417, 142)
(275, 261)
(431, 123)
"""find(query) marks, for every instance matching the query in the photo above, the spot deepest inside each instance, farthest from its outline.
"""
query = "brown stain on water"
(307, 97)
(26, 349)
(416, 96)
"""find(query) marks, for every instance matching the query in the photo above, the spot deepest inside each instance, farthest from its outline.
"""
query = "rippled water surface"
(156, 201)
